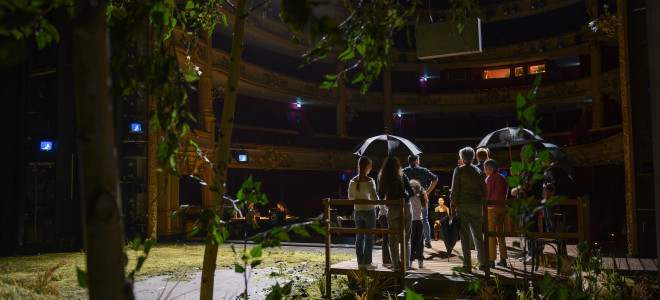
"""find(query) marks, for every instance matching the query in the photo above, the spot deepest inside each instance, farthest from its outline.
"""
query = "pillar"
(341, 106)
(594, 45)
(628, 154)
(653, 33)
(387, 109)
(206, 117)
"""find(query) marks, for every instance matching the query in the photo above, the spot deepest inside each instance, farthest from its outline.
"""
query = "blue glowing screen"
(136, 127)
(46, 145)
(242, 158)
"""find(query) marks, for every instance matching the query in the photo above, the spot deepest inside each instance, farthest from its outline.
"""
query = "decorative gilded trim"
(628, 154)
(606, 151)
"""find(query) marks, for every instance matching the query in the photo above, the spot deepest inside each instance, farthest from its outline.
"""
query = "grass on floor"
(20, 274)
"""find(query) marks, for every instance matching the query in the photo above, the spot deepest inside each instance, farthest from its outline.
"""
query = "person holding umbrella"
(393, 185)
(468, 191)
(364, 188)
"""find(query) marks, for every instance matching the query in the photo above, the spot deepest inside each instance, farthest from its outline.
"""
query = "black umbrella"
(507, 137)
(450, 229)
(386, 145)
(565, 161)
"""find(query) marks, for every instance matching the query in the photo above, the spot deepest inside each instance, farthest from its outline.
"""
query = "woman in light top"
(418, 202)
(362, 187)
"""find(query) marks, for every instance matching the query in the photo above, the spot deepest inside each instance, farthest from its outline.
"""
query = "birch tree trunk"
(97, 154)
(224, 141)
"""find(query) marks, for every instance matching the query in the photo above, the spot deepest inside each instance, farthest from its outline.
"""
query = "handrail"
(327, 202)
(581, 203)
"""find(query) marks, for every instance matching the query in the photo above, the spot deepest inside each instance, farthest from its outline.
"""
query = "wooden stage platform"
(436, 263)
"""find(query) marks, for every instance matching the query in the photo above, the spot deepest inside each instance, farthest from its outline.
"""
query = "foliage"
(23, 20)
(365, 37)
(370, 285)
(44, 282)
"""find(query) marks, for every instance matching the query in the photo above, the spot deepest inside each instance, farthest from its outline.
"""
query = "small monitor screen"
(242, 158)
(136, 127)
(46, 145)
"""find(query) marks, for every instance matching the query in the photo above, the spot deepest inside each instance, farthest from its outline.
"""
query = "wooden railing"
(329, 230)
(583, 221)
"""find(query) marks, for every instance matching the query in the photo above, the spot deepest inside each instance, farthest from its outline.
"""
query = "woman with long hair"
(418, 202)
(362, 187)
(394, 185)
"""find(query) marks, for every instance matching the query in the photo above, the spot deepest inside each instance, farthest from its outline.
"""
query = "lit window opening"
(497, 73)
(536, 69)
(519, 71)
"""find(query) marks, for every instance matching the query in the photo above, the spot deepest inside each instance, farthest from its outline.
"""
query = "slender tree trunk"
(224, 140)
(97, 154)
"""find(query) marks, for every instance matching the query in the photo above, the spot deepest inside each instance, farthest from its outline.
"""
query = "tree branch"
(233, 7)
(256, 7)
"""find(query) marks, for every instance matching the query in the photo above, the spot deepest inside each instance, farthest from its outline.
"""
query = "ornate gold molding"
(606, 151)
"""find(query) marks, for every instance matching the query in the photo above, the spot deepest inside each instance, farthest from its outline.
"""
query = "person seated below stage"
(440, 212)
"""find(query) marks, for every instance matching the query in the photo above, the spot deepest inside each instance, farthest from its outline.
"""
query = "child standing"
(418, 203)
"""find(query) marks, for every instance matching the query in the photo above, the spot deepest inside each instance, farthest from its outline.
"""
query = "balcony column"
(387, 109)
(206, 117)
(594, 45)
(596, 96)
(341, 106)
(627, 127)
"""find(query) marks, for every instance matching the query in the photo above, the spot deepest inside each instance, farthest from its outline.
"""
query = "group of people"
(471, 185)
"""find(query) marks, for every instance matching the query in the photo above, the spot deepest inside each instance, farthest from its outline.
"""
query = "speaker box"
(441, 39)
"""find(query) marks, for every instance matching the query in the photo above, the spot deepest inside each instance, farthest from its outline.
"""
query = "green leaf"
(136, 243)
(346, 54)
(224, 20)
(528, 152)
(82, 277)
(361, 48)
(516, 244)
(257, 186)
(364, 88)
(516, 167)
(190, 4)
(514, 181)
(239, 194)
(544, 156)
(162, 151)
(301, 231)
(328, 84)
(255, 263)
(194, 145)
(256, 251)
(529, 113)
(238, 268)
(147, 245)
(358, 78)
(330, 77)
(537, 80)
(412, 295)
(140, 262)
(520, 101)
(190, 75)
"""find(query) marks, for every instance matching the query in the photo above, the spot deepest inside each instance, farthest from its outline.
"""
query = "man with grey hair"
(468, 191)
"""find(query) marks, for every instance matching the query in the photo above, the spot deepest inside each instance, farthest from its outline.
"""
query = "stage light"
(298, 105)
(46, 145)
(136, 127)
(398, 115)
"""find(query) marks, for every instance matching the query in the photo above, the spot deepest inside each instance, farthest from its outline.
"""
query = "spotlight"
(298, 105)
(398, 115)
